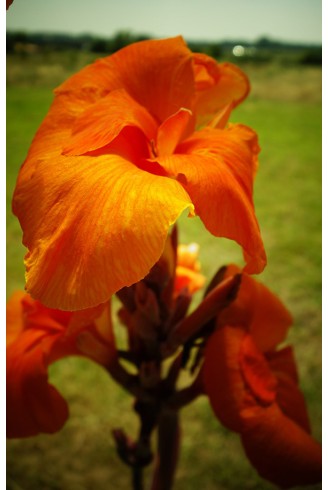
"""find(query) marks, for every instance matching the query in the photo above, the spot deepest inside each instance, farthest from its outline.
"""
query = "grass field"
(285, 109)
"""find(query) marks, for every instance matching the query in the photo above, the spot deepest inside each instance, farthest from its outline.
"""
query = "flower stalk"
(168, 447)
(120, 156)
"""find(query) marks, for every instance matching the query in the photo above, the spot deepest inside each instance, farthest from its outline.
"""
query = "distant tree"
(120, 40)
(264, 42)
(215, 50)
(312, 57)
(99, 46)
(14, 38)
(142, 37)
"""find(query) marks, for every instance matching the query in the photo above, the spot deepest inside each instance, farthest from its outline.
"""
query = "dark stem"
(137, 480)
(187, 395)
(168, 450)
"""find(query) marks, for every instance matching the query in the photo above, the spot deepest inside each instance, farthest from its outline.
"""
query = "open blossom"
(36, 337)
(253, 387)
(129, 143)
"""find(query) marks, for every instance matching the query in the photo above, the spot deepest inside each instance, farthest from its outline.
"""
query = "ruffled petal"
(14, 318)
(238, 377)
(33, 405)
(216, 167)
(217, 85)
(258, 309)
(281, 451)
(158, 74)
(289, 397)
(271, 319)
(245, 399)
(222, 376)
(92, 225)
(101, 123)
(36, 337)
(256, 372)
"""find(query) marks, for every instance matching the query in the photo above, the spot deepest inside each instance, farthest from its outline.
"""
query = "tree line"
(263, 49)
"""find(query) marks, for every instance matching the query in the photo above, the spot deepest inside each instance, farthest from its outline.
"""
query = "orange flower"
(37, 337)
(117, 160)
(253, 388)
(188, 274)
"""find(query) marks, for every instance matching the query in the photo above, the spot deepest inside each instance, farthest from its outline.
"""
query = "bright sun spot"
(238, 50)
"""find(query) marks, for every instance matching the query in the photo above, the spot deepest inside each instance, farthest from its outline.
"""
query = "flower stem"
(168, 450)
(137, 477)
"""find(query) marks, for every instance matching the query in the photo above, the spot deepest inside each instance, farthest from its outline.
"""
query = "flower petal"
(257, 308)
(15, 323)
(98, 125)
(271, 319)
(188, 279)
(33, 405)
(216, 167)
(172, 131)
(217, 85)
(256, 372)
(188, 256)
(222, 376)
(158, 74)
(220, 120)
(289, 397)
(281, 451)
(43, 336)
(92, 226)
(188, 267)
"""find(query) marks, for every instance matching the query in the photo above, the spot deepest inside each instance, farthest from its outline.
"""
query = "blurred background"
(278, 44)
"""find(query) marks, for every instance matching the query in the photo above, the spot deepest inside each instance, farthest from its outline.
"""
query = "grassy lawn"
(285, 110)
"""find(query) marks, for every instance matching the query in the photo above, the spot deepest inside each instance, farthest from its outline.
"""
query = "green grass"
(288, 203)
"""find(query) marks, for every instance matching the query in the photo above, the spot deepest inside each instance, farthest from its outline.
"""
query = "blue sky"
(287, 20)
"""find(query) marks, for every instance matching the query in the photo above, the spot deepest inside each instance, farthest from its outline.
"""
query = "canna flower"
(253, 387)
(37, 337)
(188, 274)
(128, 144)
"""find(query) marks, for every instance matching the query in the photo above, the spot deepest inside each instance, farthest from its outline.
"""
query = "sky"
(296, 21)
